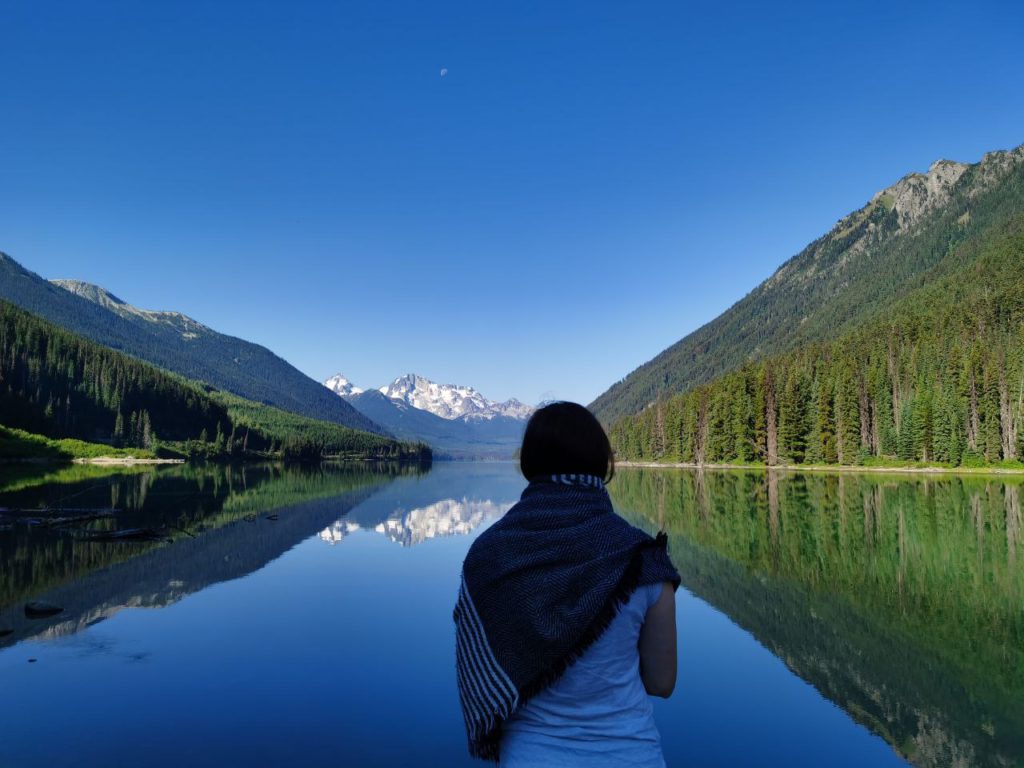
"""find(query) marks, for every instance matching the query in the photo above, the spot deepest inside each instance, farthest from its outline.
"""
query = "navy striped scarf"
(538, 588)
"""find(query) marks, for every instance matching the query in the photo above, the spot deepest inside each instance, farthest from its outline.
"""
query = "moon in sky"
(444, 71)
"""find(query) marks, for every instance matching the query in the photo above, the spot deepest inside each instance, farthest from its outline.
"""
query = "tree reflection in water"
(898, 597)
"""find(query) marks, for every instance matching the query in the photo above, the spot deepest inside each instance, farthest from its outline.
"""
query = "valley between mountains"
(456, 421)
(894, 339)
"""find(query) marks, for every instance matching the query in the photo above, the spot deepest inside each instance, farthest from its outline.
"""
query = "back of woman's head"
(565, 439)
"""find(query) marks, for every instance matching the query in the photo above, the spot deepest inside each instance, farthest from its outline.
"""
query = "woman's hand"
(658, 645)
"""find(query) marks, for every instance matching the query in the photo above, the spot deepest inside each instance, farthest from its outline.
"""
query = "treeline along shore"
(64, 397)
(936, 380)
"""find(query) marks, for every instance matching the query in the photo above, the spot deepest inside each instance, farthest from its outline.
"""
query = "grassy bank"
(17, 445)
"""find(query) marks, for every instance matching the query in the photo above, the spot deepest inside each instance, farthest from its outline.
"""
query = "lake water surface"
(302, 616)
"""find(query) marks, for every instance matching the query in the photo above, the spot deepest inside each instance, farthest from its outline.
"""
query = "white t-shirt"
(597, 713)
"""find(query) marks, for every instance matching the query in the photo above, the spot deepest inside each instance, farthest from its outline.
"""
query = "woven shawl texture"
(538, 588)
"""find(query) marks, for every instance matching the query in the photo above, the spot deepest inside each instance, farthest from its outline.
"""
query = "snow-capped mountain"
(456, 421)
(342, 386)
(450, 401)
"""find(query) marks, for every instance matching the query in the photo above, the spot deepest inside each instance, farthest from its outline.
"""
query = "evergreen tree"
(921, 426)
(847, 418)
(906, 433)
(147, 431)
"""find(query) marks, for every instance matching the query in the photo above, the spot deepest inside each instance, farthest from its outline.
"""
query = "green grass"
(16, 444)
(887, 462)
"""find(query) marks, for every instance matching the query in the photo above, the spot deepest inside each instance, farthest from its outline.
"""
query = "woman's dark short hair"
(564, 439)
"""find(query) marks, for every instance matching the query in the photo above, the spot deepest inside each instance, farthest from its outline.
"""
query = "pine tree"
(847, 418)
(793, 419)
(888, 438)
(147, 431)
(990, 427)
(905, 438)
(815, 453)
(921, 426)
(742, 421)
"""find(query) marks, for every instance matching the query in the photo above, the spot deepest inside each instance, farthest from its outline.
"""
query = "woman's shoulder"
(650, 593)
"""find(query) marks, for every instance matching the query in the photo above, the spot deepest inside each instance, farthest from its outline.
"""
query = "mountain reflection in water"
(216, 526)
(448, 517)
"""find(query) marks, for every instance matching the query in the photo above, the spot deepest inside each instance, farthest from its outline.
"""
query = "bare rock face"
(995, 165)
(917, 194)
(189, 328)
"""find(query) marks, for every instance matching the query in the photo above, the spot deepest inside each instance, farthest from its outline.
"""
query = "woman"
(566, 614)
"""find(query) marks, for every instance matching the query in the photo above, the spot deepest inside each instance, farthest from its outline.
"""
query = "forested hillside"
(57, 384)
(908, 236)
(301, 437)
(176, 343)
(939, 377)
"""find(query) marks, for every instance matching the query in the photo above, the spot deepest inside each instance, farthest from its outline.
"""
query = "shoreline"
(822, 468)
(126, 461)
(65, 461)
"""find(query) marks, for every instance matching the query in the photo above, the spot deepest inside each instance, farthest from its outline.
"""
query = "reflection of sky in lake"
(344, 656)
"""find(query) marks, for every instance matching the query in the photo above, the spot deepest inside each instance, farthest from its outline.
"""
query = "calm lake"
(301, 616)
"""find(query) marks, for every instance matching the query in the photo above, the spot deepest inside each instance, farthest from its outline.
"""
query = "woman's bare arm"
(658, 645)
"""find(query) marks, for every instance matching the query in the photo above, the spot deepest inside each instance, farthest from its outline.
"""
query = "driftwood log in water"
(54, 517)
(43, 511)
(11, 518)
(125, 534)
(41, 610)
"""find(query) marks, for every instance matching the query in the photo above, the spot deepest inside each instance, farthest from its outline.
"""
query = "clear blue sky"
(587, 184)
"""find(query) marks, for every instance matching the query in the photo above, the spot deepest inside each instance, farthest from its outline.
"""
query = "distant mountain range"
(449, 401)
(177, 343)
(454, 420)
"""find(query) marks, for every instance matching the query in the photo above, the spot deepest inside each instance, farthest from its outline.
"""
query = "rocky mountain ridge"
(448, 401)
(906, 235)
(189, 328)
(456, 421)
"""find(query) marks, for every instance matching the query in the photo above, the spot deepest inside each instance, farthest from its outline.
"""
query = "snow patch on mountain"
(451, 401)
(342, 386)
